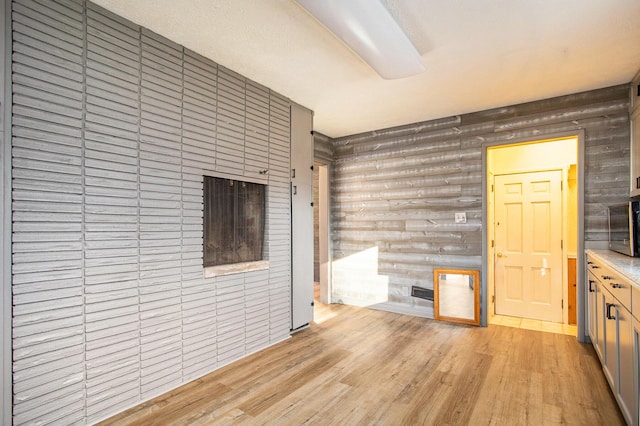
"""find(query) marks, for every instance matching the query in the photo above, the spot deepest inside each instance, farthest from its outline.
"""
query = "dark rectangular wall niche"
(234, 219)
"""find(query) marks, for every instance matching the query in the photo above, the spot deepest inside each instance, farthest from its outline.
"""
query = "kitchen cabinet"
(613, 332)
(595, 323)
(635, 153)
(635, 342)
(618, 366)
(636, 364)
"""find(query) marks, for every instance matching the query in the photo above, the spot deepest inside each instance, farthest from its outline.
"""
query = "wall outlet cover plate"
(461, 218)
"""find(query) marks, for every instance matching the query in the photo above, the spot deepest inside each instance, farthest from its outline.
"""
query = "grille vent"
(422, 293)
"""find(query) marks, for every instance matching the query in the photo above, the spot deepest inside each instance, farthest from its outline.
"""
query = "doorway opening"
(321, 249)
(532, 234)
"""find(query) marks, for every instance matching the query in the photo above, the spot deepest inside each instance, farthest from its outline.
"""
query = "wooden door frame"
(503, 141)
(324, 231)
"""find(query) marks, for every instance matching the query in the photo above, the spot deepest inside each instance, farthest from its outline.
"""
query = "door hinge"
(561, 185)
(491, 187)
(493, 243)
(493, 299)
(561, 244)
(562, 303)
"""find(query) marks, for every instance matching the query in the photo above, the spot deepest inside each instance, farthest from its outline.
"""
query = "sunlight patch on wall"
(356, 280)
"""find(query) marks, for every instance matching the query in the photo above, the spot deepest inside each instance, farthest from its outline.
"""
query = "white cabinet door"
(618, 366)
(301, 216)
(610, 347)
(600, 342)
(625, 392)
(593, 313)
(636, 368)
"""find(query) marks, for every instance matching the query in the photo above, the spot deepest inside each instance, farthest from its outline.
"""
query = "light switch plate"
(461, 217)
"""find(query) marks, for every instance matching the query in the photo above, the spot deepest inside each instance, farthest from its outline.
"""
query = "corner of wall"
(5, 248)
(323, 150)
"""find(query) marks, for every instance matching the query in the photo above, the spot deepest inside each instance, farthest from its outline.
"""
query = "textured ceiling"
(479, 54)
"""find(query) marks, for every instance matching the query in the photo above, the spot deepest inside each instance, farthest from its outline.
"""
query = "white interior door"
(528, 249)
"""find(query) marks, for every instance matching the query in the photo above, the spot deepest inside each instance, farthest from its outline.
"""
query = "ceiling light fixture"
(368, 28)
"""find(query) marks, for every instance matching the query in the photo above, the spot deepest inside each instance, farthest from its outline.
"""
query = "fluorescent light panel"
(368, 28)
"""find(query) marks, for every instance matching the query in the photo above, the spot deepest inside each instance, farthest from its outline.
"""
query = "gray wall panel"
(46, 331)
(111, 260)
(114, 127)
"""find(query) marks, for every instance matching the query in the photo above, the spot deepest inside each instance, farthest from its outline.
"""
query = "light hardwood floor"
(531, 324)
(362, 366)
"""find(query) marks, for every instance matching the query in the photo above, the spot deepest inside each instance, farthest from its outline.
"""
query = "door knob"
(499, 254)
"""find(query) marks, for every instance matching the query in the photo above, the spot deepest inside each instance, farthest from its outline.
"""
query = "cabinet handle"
(589, 262)
(606, 277)
(616, 285)
(608, 311)
(591, 290)
(295, 189)
(293, 173)
(594, 266)
(638, 182)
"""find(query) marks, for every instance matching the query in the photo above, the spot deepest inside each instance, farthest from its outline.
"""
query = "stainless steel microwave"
(623, 228)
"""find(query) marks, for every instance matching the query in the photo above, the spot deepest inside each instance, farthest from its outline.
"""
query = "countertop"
(627, 266)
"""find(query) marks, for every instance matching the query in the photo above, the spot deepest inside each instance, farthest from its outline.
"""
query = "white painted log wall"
(114, 127)
(395, 191)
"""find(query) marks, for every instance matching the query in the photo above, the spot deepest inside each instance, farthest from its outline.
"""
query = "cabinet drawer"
(635, 302)
(593, 267)
(619, 287)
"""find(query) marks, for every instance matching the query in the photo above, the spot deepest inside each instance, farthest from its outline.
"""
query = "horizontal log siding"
(322, 148)
(396, 190)
(113, 129)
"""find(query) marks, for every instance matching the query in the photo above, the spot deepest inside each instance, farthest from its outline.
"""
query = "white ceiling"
(479, 54)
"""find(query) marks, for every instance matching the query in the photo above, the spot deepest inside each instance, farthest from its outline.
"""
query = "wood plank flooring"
(361, 366)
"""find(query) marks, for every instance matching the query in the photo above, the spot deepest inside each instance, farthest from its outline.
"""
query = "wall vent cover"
(422, 293)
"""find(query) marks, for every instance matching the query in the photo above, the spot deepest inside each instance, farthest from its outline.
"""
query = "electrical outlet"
(461, 217)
